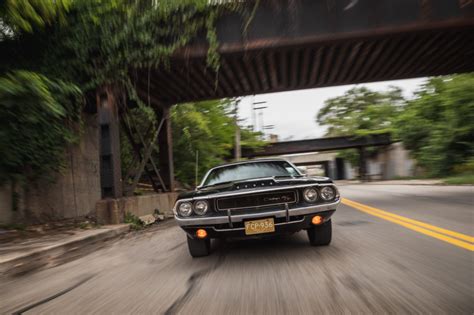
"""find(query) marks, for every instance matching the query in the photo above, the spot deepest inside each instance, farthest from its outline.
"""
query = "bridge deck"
(321, 43)
(318, 145)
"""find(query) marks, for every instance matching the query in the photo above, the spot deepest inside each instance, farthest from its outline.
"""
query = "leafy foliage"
(103, 40)
(38, 118)
(134, 221)
(438, 125)
(26, 15)
(360, 112)
(66, 46)
(207, 129)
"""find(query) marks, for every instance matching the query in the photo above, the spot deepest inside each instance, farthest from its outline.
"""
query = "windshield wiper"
(287, 176)
(218, 184)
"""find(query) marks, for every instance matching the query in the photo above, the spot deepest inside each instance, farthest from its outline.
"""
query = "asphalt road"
(377, 263)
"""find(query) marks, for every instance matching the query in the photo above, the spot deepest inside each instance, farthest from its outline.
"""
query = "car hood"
(253, 184)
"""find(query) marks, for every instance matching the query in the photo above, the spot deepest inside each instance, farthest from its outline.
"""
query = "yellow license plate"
(259, 226)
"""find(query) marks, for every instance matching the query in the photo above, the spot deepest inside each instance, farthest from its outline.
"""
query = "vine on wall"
(60, 50)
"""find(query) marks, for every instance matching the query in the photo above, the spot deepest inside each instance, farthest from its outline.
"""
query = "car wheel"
(198, 247)
(320, 235)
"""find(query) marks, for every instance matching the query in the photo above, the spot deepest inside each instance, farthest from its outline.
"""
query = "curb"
(58, 253)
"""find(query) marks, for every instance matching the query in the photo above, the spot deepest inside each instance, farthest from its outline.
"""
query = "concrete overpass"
(292, 45)
(325, 144)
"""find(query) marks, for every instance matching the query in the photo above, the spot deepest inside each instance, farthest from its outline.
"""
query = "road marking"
(454, 238)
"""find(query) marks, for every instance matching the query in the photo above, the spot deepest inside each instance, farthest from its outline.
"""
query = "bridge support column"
(165, 144)
(109, 143)
(362, 164)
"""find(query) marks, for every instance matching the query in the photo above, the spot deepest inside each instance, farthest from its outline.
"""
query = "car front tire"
(198, 247)
(320, 235)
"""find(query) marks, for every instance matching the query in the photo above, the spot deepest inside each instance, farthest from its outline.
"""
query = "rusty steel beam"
(315, 66)
(250, 72)
(108, 99)
(273, 70)
(323, 46)
(294, 66)
(305, 64)
(284, 68)
(262, 73)
(165, 144)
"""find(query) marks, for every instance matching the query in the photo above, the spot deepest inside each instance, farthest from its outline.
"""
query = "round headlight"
(310, 194)
(185, 209)
(200, 207)
(328, 193)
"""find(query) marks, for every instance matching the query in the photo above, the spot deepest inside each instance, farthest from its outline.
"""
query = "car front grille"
(257, 200)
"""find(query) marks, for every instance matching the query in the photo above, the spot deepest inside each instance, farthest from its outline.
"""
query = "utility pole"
(267, 127)
(237, 149)
(197, 169)
(254, 114)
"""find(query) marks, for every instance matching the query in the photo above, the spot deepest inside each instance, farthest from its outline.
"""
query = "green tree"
(39, 115)
(438, 125)
(38, 118)
(56, 46)
(208, 128)
(360, 112)
(27, 15)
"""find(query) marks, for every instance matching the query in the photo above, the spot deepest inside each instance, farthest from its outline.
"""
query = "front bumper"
(232, 225)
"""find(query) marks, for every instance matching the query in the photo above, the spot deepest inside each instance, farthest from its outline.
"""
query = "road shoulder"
(23, 256)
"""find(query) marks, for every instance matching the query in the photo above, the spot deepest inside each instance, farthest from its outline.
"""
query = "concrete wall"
(112, 211)
(74, 192)
(399, 163)
(143, 205)
(391, 162)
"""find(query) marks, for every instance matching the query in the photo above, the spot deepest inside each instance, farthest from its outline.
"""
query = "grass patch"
(88, 225)
(412, 177)
(459, 180)
(134, 221)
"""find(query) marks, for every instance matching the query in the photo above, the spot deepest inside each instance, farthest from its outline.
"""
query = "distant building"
(390, 162)
(273, 138)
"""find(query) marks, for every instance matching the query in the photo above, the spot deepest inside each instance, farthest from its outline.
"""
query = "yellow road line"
(415, 225)
(415, 222)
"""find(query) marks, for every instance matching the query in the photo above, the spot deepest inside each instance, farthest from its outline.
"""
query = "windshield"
(249, 171)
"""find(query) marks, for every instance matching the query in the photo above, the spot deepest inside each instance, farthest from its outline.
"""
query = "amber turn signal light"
(201, 233)
(317, 220)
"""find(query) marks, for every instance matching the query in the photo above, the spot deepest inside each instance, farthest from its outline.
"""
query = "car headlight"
(201, 207)
(185, 209)
(310, 194)
(328, 193)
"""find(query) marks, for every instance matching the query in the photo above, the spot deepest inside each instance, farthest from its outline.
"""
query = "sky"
(293, 113)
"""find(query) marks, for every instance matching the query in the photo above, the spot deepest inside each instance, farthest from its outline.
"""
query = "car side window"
(291, 170)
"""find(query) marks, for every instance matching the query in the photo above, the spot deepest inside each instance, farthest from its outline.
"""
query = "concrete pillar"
(110, 164)
(362, 164)
(332, 169)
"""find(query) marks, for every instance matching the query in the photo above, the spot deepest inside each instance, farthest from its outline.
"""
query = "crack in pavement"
(52, 297)
(193, 283)
(175, 247)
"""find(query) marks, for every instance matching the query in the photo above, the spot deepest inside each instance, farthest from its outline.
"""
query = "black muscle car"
(256, 198)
